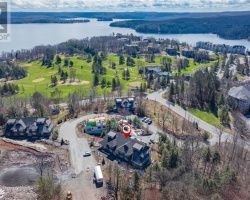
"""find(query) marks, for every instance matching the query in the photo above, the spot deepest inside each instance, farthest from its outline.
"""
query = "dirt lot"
(19, 169)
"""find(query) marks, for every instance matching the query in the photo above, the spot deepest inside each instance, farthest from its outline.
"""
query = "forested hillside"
(228, 27)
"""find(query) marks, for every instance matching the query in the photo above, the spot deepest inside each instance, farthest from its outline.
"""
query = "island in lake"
(104, 19)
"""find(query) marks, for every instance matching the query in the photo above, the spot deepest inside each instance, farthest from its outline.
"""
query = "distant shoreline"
(47, 21)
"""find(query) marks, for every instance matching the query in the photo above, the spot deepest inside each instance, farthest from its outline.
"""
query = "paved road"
(77, 146)
(203, 125)
(82, 186)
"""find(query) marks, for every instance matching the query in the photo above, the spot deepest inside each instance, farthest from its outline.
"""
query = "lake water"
(26, 36)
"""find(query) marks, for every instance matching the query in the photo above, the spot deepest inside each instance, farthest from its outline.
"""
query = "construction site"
(21, 163)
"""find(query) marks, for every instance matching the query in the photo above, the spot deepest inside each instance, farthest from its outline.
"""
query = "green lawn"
(193, 66)
(205, 116)
(208, 117)
(39, 77)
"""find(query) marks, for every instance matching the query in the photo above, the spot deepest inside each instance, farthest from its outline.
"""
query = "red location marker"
(126, 130)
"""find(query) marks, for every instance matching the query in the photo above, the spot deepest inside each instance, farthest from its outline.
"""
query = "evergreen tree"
(121, 60)
(212, 104)
(124, 75)
(113, 84)
(95, 80)
(108, 84)
(127, 74)
(174, 157)
(221, 100)
(58, 60)
(165, 158)
(171, 92)
(66, 62)
(103, 82)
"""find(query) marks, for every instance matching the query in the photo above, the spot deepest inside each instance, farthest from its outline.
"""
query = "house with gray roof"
(240, 96)
(153, 69)
(29, 127)
(125, 103)
(130, 150)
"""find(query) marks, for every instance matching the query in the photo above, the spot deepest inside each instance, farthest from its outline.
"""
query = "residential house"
(95, 126)
(166, 74)
(130, 150)
(29, 127)
(240, 97)
(154, 49)
(125, 105)
(124, 40)
(171, 51)
(152, 69)
(131, 48)
(188, 53)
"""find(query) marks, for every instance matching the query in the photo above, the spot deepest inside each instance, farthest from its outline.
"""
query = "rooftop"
(241, 92)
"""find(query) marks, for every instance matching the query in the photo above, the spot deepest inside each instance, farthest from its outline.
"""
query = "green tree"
(124, 75)
(95, 80)
(165, 158)
(174, 157)
(66, 62)
(47, 190)
(221, 100)
(121, 59)
(113, 84)
(171, 92)
(127, 74)
(212, 104)
(103, 82)
(205, 136)
(108, 84)
(58, 60)
(224, 116)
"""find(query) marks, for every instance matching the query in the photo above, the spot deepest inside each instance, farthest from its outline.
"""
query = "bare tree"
(219, 131)
(41, 164)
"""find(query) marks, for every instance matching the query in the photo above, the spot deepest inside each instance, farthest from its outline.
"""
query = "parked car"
(152, 141)
(146, 121)
(143, 119)
(150, 122)
(87, 153)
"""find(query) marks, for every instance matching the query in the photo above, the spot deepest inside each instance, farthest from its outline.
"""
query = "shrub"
(205, 136)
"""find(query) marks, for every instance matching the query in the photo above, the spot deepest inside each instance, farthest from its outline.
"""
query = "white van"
(98, 175)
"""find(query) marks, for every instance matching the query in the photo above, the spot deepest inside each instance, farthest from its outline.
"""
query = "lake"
(26, 36)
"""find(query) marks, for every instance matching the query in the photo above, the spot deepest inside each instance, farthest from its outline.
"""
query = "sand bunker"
(135, 84)
(38, 80)
(74, 83)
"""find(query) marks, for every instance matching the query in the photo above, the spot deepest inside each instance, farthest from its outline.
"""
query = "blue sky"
(130, 5)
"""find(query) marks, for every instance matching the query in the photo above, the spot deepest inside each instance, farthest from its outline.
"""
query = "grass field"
(208, 117)
(193, 66)
(39, 77)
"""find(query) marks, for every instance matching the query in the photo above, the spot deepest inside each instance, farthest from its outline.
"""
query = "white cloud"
(129, 5)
